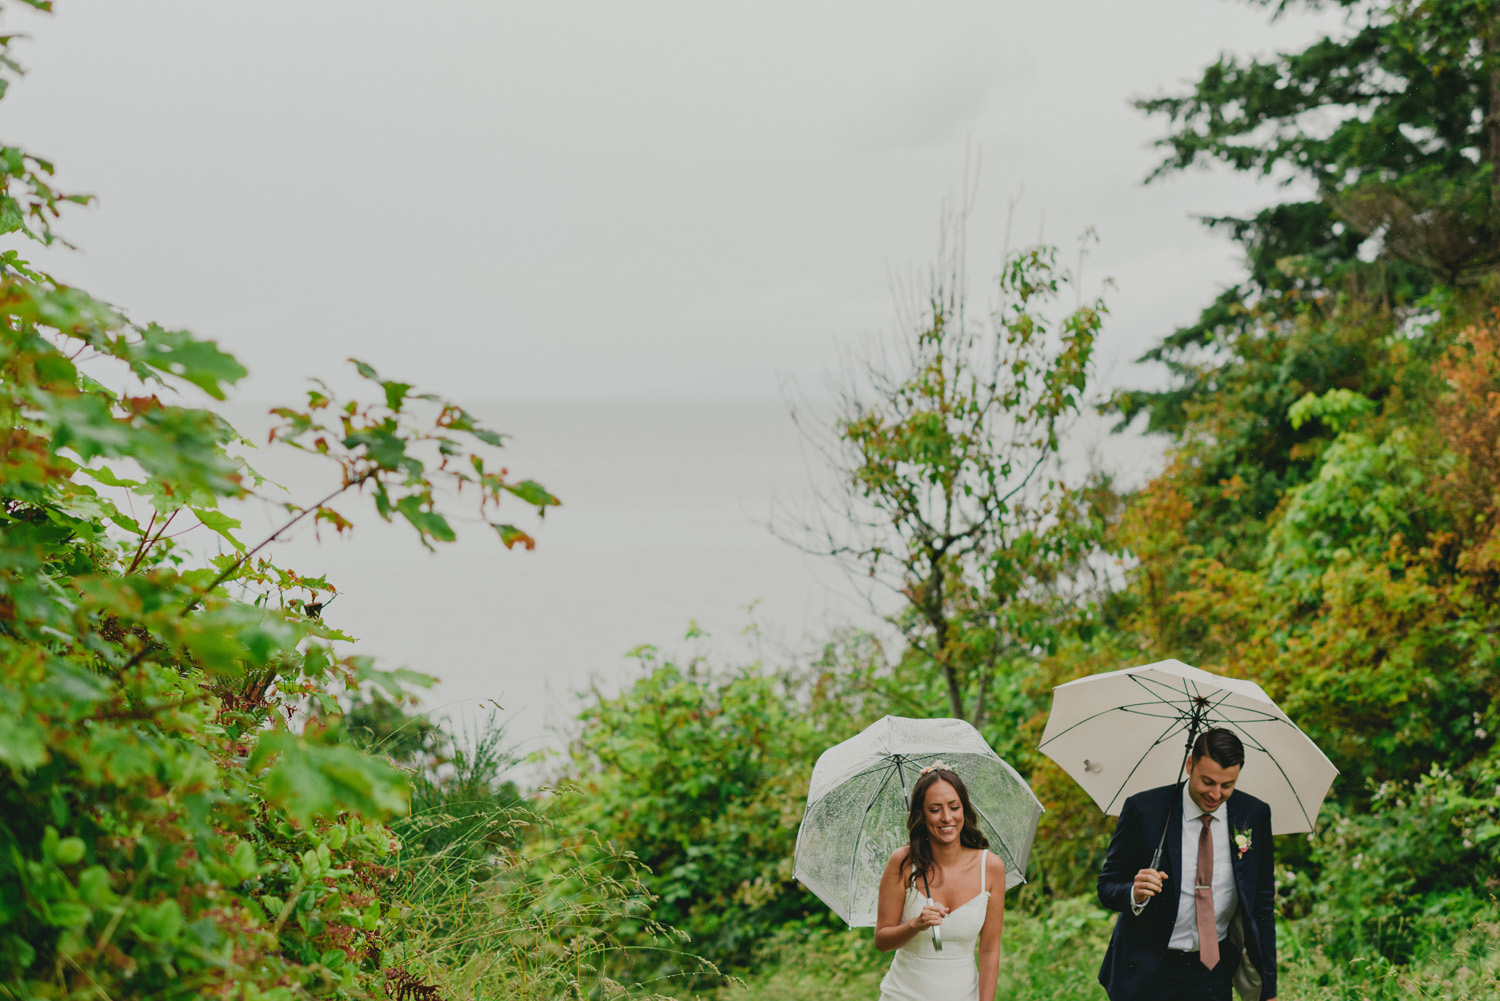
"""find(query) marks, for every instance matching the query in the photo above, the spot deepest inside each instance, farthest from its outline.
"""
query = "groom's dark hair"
(1221, 745)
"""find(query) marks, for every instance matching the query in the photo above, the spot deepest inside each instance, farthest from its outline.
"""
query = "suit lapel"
(1236, 862)
(1174, 849)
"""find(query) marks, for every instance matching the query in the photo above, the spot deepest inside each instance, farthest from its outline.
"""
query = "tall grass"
(497, 902)
(1051, 954)
(1053, 950)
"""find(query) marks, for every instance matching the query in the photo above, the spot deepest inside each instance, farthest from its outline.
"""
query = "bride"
(939, 879)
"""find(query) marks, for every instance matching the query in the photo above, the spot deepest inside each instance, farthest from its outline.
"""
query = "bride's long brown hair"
(919, 845)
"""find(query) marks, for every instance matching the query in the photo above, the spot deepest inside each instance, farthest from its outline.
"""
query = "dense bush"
(702, 773)
(1410, 872)
(181, 814)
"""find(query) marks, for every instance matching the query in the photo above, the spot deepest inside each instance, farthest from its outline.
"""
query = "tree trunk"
(955, 697)
(939, 622)
(984, 684)
(950, 673)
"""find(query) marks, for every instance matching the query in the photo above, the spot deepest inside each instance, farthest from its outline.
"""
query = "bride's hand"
(931, 915)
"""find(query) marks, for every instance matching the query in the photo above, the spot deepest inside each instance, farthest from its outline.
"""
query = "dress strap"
(984, 864)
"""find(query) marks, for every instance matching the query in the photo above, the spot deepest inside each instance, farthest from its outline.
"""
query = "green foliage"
(1367, 495)
(1348, 597)
(947, 455)
(1056, 954)
(463, 810)
(165, 830)
(1051, 953)
(703, 775)
(1410, 871)
(1392, 119)
(494, 898)
(1395, 120)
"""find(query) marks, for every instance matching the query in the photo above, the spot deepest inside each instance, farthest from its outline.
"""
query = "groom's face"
(1210, 783)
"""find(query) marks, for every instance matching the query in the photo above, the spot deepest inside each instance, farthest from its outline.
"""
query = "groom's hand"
(1148, 884)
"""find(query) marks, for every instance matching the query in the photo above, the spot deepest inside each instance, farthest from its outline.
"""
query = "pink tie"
(1203, 898)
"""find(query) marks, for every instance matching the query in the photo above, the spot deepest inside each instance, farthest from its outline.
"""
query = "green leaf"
(23, 743)
(201, 363)
(310, 780)
(162, 922)
(243, 861)
(223, 524)
(107, 476)
(94, 887)
(382, 445)
(69, 851)
(533, 492)
(427, 522)
(66, 914)
(395, 395)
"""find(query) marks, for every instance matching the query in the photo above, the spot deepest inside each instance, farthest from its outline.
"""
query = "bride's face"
(943, 812)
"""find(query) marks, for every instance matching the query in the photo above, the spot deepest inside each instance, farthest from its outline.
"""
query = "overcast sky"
(625, 200)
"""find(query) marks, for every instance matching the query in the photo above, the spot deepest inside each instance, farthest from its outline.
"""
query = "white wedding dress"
(920, 972)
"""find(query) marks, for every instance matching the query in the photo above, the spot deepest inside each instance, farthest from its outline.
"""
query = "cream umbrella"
(1123, 732)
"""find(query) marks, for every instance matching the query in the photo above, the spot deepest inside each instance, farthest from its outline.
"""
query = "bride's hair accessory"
(934, 767)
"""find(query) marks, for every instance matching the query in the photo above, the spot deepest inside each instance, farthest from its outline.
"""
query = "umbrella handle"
(937, 935)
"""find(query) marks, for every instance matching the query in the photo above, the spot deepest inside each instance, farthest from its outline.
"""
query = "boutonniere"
(1242, 840)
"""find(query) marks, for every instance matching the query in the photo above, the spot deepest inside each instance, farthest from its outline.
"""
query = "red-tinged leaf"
(332, 517)
(510, 535)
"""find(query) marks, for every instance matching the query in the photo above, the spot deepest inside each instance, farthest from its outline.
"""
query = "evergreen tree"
(1395, 121)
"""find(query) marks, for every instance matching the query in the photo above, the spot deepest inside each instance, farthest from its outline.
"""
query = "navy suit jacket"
(1139, 941)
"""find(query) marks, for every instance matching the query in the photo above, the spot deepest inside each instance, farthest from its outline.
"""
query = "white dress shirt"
(1226, 897)
(1185, 931)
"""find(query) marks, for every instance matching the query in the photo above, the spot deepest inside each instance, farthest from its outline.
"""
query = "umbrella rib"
(1144, 681)
(1128, 707)
(1168, 732)
(1262, 718)
(1254, 743)
(1264, 714)
(1177, 713)
(859, 833)
(1010, 856)
(1286, 778)
(1156, 699)
(886, 763)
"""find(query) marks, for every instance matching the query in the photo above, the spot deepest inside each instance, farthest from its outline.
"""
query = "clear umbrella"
(1123, 732)
(857, 804)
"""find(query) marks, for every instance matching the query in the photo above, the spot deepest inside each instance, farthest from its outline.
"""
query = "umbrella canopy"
(1123, 732)
(857, 804)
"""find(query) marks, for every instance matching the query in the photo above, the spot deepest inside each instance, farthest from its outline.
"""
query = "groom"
(1204, 920)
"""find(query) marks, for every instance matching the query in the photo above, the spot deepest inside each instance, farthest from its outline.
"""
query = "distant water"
(663, 524)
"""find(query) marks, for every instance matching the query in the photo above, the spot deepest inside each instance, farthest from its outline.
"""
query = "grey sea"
(663, 527)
